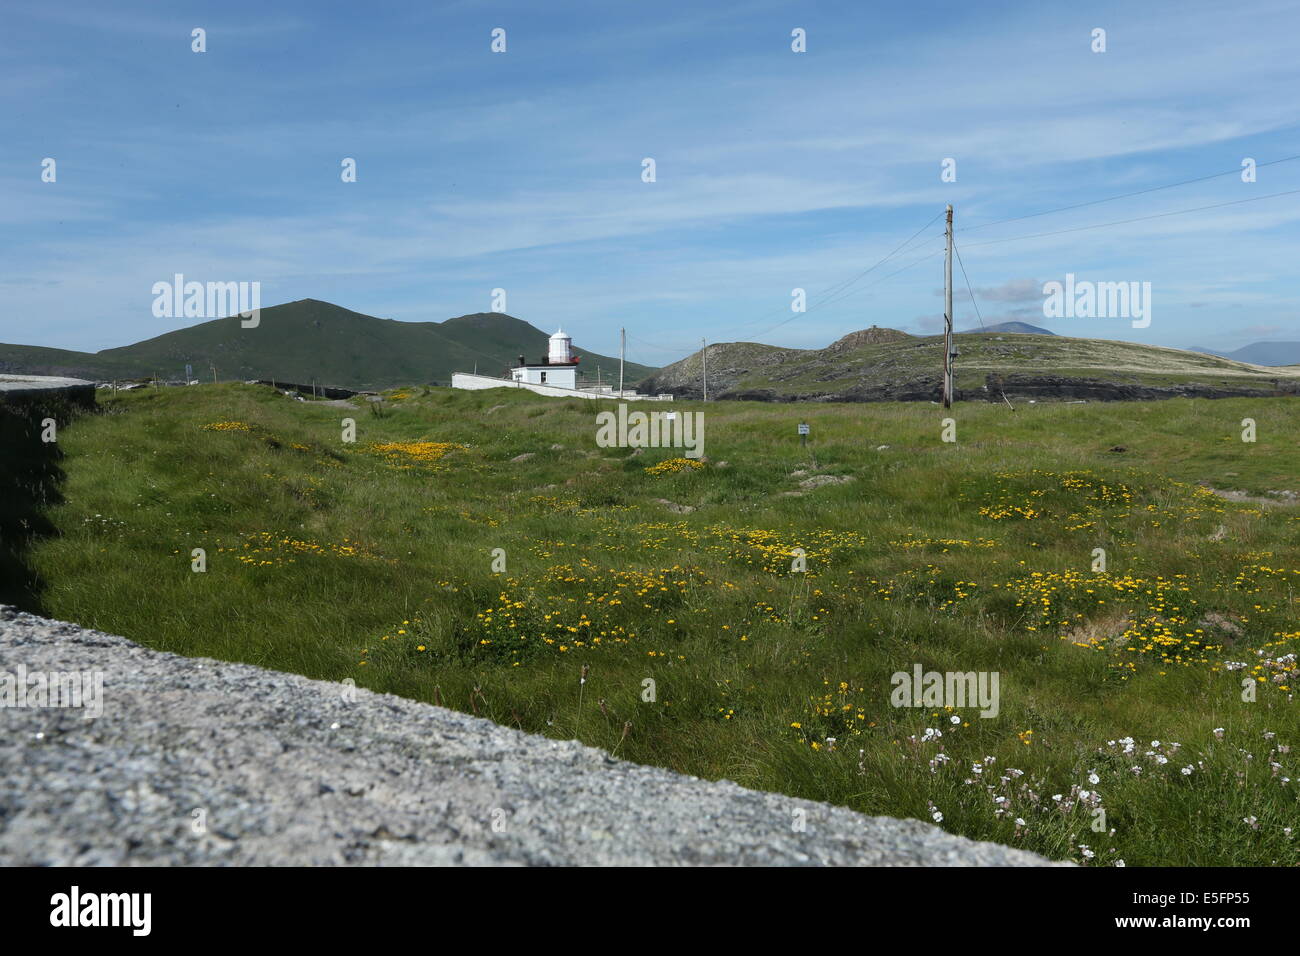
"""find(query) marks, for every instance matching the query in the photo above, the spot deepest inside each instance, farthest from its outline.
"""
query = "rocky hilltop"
(878, 364)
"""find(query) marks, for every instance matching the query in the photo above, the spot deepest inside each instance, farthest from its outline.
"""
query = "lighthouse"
(559, 368)
(561, 352)
(554, 374)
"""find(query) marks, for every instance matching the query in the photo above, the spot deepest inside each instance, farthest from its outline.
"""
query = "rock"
(557, 447)
(871, 336)
(635, 452)
(292, 773)
(818, 481)
(524, 457)
(1117, 448)
(1270, 499)
(674, 507)
(1214, 621)
(1219, 534)
(881, 447)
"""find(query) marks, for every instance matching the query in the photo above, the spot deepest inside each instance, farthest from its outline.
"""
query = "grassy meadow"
(1121, 690)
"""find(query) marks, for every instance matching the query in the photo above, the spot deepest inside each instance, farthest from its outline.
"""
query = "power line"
(833, 292)
(896, 251)
(841, 290)
(846, 293)
(1140, 192)
(820, 305)
(1122, 222)
(957, 252)
(884, 278)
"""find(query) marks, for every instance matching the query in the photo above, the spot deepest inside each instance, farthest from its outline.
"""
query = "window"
(543, 378)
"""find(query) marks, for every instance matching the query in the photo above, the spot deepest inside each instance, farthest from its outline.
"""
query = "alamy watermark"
(129, 910)
(947, 689)
(212, 300)
(651, 430)
(41, 689)
(1098, 300)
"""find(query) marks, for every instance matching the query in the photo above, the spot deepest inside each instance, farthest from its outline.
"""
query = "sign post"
(803, 434)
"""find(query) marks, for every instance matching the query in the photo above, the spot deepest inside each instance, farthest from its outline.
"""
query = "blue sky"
(522, 170)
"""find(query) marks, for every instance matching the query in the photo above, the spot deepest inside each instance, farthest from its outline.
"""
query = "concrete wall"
(469, 381)
(21, 388)
(298, 772)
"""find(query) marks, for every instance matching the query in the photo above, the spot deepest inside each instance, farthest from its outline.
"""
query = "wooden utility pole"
(947, 315)
(704, 357)
(622, 349)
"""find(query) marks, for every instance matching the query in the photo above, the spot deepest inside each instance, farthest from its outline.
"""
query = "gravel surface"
(288, 771)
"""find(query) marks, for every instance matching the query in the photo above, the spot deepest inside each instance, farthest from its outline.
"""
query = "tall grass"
(686, 640)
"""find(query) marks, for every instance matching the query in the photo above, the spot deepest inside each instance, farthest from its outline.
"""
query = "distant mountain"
(1020, 328)
(886, 365)
(313, 340)
(1260, 353)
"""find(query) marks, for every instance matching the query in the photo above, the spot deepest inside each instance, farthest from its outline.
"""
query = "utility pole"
(214, 373)
(947, 316)
(622, 349)
(704, 357)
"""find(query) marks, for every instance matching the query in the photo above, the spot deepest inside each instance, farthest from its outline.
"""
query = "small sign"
(189, 373)
(670, 416)
(803, 429)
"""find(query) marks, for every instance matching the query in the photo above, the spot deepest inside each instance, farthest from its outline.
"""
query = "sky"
(774, 170)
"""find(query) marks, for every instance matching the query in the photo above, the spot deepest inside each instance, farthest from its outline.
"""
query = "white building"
(560, 368)
(556, 375)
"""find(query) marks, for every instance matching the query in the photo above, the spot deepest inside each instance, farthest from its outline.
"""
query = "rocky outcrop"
(1098, 390)
(885, 365)
(871, 336)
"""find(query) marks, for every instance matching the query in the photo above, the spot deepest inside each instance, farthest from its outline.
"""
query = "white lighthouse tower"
(561, 352)
(559, 369)
(555, 374)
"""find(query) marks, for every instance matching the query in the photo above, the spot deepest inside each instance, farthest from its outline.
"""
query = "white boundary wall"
(472, 382)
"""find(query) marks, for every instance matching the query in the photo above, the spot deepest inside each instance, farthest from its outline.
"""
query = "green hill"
(885, 365)
(313, 340)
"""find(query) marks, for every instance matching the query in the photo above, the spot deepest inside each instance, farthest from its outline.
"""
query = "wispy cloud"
(775, 170)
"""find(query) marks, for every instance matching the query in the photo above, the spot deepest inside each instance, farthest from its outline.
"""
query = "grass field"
(1120, 690)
